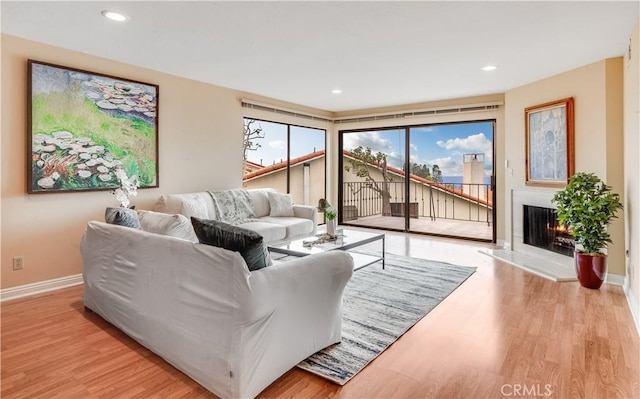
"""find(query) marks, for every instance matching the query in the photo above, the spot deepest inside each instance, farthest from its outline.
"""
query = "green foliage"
(587, 206)
(365, 158)
(436, 174)
(421, 170)
(325, 206)
(330, 214)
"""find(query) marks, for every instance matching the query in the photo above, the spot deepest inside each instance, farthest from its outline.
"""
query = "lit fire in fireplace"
(560, 228)
(541, 229)
(561, 235)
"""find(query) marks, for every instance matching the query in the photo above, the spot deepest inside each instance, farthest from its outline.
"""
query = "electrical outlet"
(18, 262)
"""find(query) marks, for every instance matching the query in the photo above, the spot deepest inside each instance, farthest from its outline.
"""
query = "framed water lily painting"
(549, 141)
(85, 129)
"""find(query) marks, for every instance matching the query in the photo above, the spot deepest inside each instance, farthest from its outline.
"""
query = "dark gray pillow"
(224, 235)
(123, 217)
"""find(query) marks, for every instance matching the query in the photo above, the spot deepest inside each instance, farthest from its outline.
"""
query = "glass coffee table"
(345, 240)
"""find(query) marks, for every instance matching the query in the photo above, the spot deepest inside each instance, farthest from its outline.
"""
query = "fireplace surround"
(545, 263)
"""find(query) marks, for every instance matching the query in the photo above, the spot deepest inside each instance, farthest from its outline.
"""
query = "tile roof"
(449, 188)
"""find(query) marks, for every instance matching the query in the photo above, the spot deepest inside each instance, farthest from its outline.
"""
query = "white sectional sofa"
(202, 310)
(301, 223)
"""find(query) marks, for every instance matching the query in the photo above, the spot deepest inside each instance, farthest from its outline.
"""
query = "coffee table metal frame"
(346, 240)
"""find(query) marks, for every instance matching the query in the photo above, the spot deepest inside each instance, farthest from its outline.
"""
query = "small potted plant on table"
(330, 214)
(587, 206)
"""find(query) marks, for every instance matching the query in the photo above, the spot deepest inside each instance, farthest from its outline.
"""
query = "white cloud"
(448, 166)
(396, 160)
(368, 139)
(413, 147)
(477, 142)
(278, 144)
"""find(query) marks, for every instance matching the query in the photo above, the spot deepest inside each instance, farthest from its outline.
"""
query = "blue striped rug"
(379, 307)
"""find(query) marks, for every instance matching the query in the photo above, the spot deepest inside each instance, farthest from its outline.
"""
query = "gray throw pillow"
(224, 235)
(122, 217)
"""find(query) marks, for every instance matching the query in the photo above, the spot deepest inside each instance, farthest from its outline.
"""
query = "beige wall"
(200, 128)
(631, 72)
(278, 180)
(597, 92)
(499, 136)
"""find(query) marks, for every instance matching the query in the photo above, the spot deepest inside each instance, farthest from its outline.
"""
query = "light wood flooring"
(504, 333)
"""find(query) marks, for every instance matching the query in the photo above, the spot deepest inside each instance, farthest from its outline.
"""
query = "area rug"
(379, 307)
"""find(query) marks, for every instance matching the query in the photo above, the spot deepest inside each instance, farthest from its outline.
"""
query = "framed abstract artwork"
(84, 128)
(549, 143)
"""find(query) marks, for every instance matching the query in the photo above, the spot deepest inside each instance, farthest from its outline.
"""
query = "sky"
(273, 147)
(443, 145)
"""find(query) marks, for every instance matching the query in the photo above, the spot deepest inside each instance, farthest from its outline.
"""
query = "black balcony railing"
(468, 202)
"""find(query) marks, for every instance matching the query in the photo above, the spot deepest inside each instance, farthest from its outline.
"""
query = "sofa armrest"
(295, 310)
(302, 281)
(307, 212)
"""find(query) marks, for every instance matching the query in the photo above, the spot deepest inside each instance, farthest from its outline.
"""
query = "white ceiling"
(378, 53)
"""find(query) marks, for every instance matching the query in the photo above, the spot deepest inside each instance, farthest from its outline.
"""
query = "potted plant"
(330, 214)
(587, 206)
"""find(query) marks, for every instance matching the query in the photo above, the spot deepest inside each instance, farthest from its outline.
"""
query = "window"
(286, 157)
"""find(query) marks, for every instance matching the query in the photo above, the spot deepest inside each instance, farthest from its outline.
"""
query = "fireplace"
(541, 261)
(541, 229)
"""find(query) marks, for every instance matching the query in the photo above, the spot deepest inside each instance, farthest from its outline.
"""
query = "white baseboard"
(39, 287)
(632, 301)
(615, 279)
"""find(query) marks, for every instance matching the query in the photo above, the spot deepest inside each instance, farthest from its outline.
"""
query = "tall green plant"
(587, 206)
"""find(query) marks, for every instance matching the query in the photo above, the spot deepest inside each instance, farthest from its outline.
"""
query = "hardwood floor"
(503, 333)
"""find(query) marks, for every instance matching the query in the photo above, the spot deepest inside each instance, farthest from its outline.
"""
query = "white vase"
(331, 227)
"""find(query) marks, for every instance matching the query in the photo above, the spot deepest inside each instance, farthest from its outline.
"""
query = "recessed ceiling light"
(336, 91)
(114, 16)
(489, 68)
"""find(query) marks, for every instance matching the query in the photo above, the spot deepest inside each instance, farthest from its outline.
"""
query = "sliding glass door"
(434, 179)
(450, 181)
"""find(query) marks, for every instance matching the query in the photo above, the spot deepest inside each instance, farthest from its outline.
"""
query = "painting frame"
(83, 126)
(549, 143)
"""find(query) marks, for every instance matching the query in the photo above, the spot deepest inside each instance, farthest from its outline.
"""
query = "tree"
(249, 144)
(421, 170)
(360, 164)
(436, 174)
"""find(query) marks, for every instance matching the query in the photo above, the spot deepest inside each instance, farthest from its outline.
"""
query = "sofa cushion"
(269, 231)
(295, 227)
(167, 224)
(247, 242)
(260, 201)
(193, 203)
(123, 217)
(280, 204)
(194, 206)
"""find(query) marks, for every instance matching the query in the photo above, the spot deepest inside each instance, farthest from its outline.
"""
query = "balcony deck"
(449, 227)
